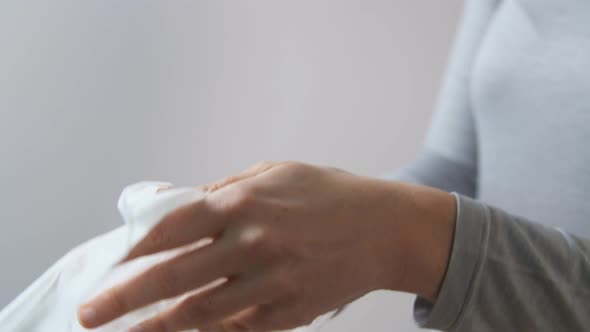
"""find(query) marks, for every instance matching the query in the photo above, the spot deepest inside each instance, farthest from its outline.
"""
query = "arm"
(295, 241)
(505, 273)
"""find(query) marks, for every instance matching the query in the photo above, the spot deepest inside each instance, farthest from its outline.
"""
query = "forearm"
(428, 226)
(419, 223)
(474, 266)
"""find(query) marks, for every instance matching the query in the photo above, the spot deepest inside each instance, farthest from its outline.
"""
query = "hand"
(290, 242)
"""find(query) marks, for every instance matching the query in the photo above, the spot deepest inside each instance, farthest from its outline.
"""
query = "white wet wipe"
(51, 302)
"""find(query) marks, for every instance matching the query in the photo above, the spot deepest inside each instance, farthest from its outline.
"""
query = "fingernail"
(87, 316)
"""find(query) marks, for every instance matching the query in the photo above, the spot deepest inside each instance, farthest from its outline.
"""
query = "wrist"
(424, 223)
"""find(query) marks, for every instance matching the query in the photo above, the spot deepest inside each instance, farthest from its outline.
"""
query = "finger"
(250, 172)
(186, 272)
(182, 226)
(209, 307)
(260, 318)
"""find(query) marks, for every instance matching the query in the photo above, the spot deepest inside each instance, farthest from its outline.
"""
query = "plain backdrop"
(95, 95)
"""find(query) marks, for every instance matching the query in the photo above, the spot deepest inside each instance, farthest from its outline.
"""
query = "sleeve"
(509, 274)
(448, 160)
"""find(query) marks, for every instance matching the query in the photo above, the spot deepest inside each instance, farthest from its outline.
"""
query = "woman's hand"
(292, 242)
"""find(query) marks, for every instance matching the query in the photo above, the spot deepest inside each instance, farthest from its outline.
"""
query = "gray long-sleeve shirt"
(511, 136)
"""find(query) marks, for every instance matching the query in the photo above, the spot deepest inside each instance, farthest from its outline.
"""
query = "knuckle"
(297, 171)
(264, 164)
(254, 240)
(238, 202)
(293, 165)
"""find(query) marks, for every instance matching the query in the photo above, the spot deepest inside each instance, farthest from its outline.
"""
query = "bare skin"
(292, 241)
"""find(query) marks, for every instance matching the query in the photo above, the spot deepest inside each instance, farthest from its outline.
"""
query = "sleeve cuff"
(462, 276)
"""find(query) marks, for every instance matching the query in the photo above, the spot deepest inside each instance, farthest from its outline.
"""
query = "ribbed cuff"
(462, 276)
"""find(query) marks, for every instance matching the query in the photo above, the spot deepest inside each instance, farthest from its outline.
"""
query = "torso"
(531, 100)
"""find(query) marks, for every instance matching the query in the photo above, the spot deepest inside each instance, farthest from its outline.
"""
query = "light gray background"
(98, 94)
